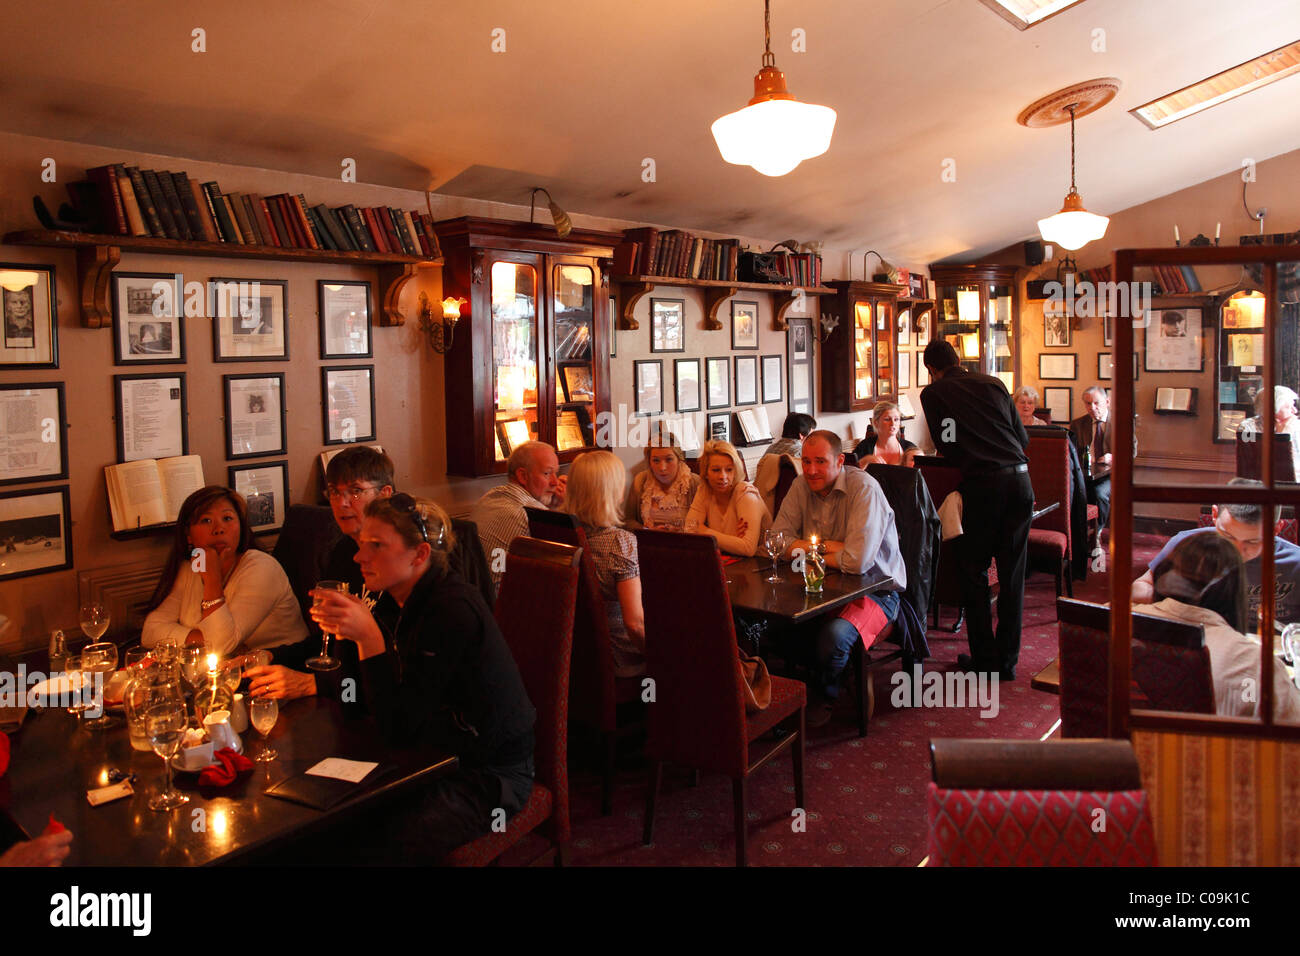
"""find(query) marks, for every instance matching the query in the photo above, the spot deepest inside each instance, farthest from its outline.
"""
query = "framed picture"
(922, 373)
(744, 325)
(344, 318)
(667, 325)
(1106, 367)
(29, 326)
(348, 403)
(147, 324)
(771, 378)
(923, 322)
(577, 383)
(1058, 366)
(746, 380)
(1059, 401)
(265, 487)
(800, 336)
(1230, 422)
(717, 382)
(1056, 330)
(512, 434)
(648, 382)
(686, 383)
(1174, 340)
(152, 416)
(719, 426)
(35, 532)
(1107, 331)
(612, 318)
(249, 319)
(254, 415)
(905, 327)
(32, 445)
(904, 369)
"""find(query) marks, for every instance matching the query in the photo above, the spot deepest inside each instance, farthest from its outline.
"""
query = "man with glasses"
(533, 480)
(1243, 526)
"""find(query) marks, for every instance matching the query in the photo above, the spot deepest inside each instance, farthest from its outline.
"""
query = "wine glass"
(774, 544)
(323, 662)
(98, 664)
(262, 714)
(165, 724)
(232, 673)
(94, 620)
(75, 683)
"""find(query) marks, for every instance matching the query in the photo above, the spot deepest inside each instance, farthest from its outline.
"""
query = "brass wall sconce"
(563, 225)
(441, 331)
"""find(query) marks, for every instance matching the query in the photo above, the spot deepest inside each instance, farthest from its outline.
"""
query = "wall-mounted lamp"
(830, 322)
(563, 225)
(887, 273)
(441, 332)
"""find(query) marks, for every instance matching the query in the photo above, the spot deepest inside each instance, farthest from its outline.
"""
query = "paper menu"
(353, 771)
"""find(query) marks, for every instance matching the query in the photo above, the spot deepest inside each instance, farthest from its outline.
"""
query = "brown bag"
(758, 683)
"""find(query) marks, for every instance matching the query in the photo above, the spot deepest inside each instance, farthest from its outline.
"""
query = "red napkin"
(54, 826)
(223, 773)
(4, 753)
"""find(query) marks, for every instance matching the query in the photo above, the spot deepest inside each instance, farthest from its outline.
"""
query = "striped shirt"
(500, 518)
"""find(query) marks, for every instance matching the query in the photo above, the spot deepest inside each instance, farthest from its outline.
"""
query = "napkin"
(54, 826)
(4, 753)
(223, 773)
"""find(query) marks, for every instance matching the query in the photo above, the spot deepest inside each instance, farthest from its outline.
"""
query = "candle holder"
(814, 569)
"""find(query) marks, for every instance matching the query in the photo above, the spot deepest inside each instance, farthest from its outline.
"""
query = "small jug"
(222, 735)
(239, 715)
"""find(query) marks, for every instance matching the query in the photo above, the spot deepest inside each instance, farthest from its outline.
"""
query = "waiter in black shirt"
(975, 425)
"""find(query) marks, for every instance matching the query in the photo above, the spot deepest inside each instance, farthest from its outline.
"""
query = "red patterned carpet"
(865, 796)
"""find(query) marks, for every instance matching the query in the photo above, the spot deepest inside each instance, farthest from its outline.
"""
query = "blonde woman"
(885, 447)
(661, 495)
(727, 506)
(593, 494)
(1026, 401)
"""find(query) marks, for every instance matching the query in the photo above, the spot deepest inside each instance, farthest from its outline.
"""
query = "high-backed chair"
(785, 476)
(535, 613)
(942, 478)
(1051, 546)
(1036, 803)
(698, 717)
(1250, 457)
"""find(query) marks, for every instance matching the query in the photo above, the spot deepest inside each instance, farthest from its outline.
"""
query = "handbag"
(758, 683)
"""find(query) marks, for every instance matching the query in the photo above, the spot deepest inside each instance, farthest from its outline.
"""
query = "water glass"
(94, 619)
(262, 714)
(774, 544)
(98, 664)
(165, 723)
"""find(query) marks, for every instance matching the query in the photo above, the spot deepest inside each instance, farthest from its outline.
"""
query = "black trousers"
(996, 513)
(1099, 495)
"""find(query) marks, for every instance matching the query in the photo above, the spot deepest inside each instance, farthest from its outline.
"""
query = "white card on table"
(352, 771)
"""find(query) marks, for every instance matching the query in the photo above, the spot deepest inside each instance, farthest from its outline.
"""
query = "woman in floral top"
(661, 495)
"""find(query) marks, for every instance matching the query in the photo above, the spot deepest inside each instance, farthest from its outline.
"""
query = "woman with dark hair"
(1203, 581)
(217, 588)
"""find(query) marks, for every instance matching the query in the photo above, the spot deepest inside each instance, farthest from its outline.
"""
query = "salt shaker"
(58, 652)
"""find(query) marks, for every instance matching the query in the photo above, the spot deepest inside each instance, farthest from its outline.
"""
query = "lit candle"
(212, 663)
(813, 541)
(1217, 225)
(1177, 238)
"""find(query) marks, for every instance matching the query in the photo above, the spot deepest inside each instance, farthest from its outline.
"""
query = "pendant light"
(774, 133)
(1073, 227)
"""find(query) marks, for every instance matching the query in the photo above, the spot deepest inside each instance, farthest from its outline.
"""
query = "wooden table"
(749, 590)
(1048, 679)
(55, 761)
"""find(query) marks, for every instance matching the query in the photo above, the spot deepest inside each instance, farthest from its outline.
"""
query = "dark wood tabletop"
(55, 761)
(749, 590)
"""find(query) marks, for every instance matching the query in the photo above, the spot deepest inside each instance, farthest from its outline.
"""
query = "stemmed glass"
(165, 724)
(262, 714)
(774, 544)
(98, 663)
(194, 667)
(94, 621)
(232, 673)
(324, 662)
(76, 684)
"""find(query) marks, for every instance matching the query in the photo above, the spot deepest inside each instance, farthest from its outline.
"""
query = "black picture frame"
(42, 307)
(1057, 333)
(612, 319)
(640, 406)
(326, 373)
(227, 381)
(329, 327)
(717, 380)
(1069, 400)
(772, 379)
(800, 347)
(718, 426)
(257, 509)
(1103, 374)
(744, 325)
(749, 362)
(698, 403)
(131, 320)
(28, 530)
(118, 414)
(264, 344)
(1154, 355)
(60, 432)
(660, 340)
(1059, 356)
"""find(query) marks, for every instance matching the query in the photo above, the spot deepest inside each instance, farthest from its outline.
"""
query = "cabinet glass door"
(863, 340)
(998, 359)
(886, 336)
(514, 354)
(575, 329)
(959, 322)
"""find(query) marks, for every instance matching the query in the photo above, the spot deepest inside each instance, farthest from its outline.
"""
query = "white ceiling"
(586, 90)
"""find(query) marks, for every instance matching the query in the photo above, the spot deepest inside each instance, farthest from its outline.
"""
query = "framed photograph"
(35, 532)
(800, 338)
(686, 383)
(249, 319)
(344, 318)
(147, 325)
(1230, 422)
(1056, 330)
(717, 382)
(771, 378)
(1058, 401)
(612, 318)
(648, 382)
(744, 325)
(348, 403)
(1058, 366)
(667, 325)
(512, 434)
(265, 487)
(254, 415)
(904, 369)
(1174, 340)
(800, 334)
(922, 373)
(1107, 331)
(1106, 367)
(152, 416)
(923, 321)
(719, 426)
(577, 383)
(746, 380)
(32, 445)
(905, 327)
(29, 325)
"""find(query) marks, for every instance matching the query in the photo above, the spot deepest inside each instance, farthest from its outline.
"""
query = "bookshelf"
(633, 288)
(859, 358)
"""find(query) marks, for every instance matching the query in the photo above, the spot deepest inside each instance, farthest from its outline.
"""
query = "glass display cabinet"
(976, 311)
(859, 358)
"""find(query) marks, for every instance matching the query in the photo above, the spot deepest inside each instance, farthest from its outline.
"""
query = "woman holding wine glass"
(727, 506)
(217, 589)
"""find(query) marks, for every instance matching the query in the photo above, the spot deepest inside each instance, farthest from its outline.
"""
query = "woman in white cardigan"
(216, 588)
(727, 506)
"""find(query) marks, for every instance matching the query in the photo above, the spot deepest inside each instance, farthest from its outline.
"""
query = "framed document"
(800, 332)
(923, 321)
(265, 487)
(1174, 340)
(1106, 366)
(147, 325)
(717, 382)
(348, 403)
(719, 426)
(249, 319)
(686, 382)
(32, 420)
(800, 339)
(1058, 401)
(29, 326)
(612, 318)
(744, 325)
(254, 415)
(344, 319)
(771, 378)
(904, 369)
(667, 325)
(35, 532)
(746, 379)
(800, 388)
(922, 373)
(577, 383)
(1058, 366)
(905, 327)
(512, 434)
(648, 385)
(152, 414)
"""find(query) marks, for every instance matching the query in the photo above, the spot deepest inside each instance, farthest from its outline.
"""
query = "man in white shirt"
(533, 480)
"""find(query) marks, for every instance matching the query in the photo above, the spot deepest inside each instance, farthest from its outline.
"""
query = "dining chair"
(1037, 803)
(785, 476)
(1051, 547)
(596, 695)
(942, 478)
(535, 613)
(697, 718)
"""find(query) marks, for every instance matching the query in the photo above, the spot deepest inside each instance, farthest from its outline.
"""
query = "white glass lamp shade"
(1073, 227)
(775, 132)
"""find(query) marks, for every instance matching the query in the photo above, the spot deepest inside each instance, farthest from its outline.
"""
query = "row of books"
(1176, 280)
(801, 268)
(674, 253)
(129, 201)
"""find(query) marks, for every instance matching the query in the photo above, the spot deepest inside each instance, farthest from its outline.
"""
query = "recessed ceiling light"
(1023, 14)
(1221, 87)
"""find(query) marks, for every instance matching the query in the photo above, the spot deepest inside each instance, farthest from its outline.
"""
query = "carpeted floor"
(865, 796)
